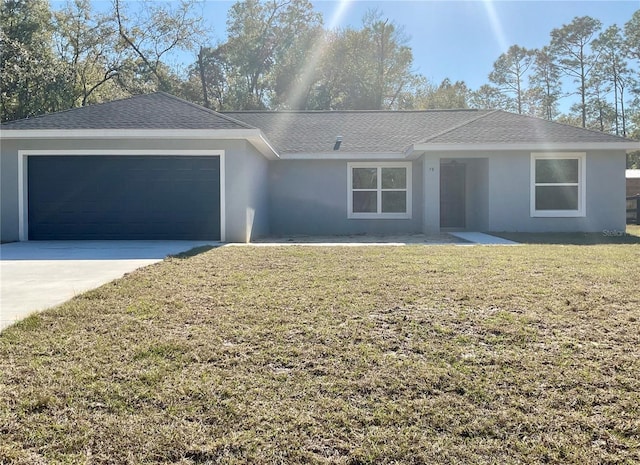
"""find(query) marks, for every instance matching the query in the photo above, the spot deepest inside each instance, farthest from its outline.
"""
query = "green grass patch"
(416, 354)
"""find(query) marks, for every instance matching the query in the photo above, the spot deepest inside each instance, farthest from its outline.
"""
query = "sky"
(459, 40)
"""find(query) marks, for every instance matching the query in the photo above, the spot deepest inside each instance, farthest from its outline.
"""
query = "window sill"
(558, 214)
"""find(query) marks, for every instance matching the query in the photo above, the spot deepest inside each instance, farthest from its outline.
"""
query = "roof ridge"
(204, 109)
(435, 110)
(133, 97)
(44, 115)
(458, 126)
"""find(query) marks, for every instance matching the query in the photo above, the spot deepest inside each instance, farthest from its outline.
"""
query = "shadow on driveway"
(97, 250)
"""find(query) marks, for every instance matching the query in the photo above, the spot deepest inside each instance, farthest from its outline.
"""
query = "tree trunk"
(205, 96)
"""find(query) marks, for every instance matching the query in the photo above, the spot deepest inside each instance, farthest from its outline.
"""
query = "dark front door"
(452, 195)
(124, 197)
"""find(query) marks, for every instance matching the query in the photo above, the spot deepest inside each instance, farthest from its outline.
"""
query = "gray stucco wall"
(309, 197)
(247, 194)
(288, 197)
(8, 192)
(508, 193)
(247, 214)
(510, 202)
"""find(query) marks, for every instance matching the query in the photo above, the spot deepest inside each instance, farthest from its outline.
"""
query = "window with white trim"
(557, 184)
(379, 190)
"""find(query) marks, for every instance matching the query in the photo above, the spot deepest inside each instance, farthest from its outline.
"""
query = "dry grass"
(435, 355)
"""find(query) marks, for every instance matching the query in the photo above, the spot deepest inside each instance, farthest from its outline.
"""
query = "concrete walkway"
(363, 240)
(38, 275)
(356, 240)
(482, 238)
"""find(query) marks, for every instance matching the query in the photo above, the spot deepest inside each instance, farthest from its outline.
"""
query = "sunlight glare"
(496, 25)
(314, 58)
(339, 13)
(317, 53)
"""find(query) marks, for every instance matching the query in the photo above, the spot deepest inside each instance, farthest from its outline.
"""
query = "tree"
(545, 83)
(392, 59)
(209, 79)
(32, 83)
(612, 68)
(153, 32)
(633, 158)
(600, 113)
(510, 73)
(570, 47)
(368, 68)
(632, 43)
(88, 46)
(298, 70)
(446, 95)
(488, 98)
(632, 35)
(261, 37)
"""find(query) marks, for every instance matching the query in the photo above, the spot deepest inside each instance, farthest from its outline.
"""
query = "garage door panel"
(118, 197)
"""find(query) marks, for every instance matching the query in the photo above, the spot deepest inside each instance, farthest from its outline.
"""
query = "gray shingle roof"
(361, 131)
(502, 127)
(396, 131)
(151, 111)
(316, 131)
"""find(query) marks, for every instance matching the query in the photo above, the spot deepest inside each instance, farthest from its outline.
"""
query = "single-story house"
(157, 167)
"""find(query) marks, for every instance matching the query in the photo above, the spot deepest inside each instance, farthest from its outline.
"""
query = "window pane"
(365, 178)
(365, 202)
(556, 171)
(557, 198)
(394, 202)
(394, 178)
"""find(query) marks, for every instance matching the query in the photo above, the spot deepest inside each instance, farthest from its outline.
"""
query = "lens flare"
(496, 25)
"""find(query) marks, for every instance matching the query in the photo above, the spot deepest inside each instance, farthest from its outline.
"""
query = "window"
(379, 190)
(557, 184)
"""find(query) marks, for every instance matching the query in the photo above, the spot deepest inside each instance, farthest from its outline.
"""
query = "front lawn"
(433, 355)
(630, 236)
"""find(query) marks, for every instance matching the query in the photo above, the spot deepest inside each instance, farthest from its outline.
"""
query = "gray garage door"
(124, 197)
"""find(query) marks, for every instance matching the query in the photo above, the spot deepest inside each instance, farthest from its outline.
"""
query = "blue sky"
(459, 39)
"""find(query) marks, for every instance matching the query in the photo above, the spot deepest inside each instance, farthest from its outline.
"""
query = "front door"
(452, 195)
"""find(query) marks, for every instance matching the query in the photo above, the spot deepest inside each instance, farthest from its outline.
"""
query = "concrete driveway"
(41, 274)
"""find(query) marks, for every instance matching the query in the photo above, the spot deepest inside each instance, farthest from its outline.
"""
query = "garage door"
(124, 197)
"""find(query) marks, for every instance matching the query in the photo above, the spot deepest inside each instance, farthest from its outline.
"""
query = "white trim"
(130, 133)
(23, 199)
(581, 210)
(343, 156)
(254, 136)
(223, 198)
(632, 174)
(23, 177)
(527, 146)
(264, 146)
(379, 165)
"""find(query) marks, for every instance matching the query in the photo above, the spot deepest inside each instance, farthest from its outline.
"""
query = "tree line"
(278, 55)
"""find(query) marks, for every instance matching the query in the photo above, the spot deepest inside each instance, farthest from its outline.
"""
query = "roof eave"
(628, 146)
(342, 155)
(262, 144)
(254, 136)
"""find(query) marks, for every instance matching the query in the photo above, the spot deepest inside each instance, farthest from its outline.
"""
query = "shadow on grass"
(195, 251)
(603, 238)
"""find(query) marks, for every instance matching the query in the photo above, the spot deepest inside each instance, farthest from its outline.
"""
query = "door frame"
(23, 176)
